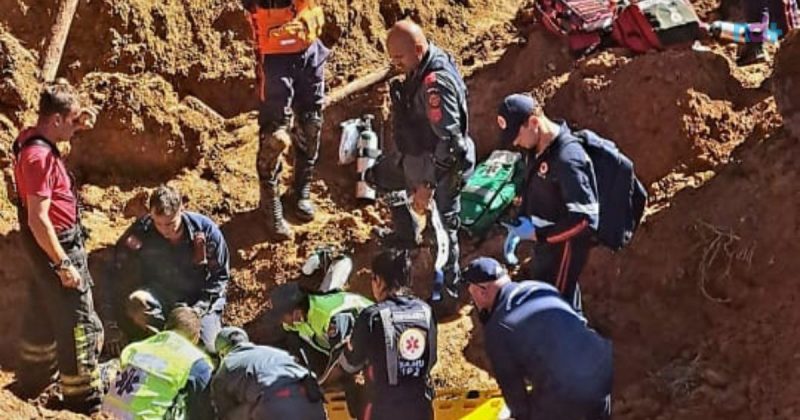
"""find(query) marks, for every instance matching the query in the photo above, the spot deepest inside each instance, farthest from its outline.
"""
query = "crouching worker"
(395, 343)
(165, 376)
(534, 337)
(174, 258)
(262, 382)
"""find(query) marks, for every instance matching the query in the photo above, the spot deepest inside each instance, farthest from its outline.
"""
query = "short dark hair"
(184, 320)
(394, 267)
(165, 200)
(58, 97)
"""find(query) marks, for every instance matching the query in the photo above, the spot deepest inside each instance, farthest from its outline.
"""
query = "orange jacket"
(287, 30)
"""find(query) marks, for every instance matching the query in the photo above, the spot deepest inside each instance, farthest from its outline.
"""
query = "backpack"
(655, 25)
(622, 197)
(583, 22)
(489, 190)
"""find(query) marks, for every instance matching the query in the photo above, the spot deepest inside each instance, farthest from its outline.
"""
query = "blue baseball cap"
(512, 113)
(483, 270)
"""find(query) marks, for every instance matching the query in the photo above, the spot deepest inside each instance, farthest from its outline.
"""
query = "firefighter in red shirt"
(290, 72)
(61, 330)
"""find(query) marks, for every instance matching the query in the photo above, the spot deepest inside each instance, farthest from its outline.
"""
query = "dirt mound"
(696, 306)
(786, 82)
(143, 133)
(664, 110)
(18, 88)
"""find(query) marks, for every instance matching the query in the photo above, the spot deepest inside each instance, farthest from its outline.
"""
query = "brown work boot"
(271, 203)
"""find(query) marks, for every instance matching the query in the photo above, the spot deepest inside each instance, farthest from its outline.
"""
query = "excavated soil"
(696, 305)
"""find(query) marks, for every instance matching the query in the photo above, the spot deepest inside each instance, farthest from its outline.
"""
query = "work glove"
(114, 339)
(523, 229)
(396, 92)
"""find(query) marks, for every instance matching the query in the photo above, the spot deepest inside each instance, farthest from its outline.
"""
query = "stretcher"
(448, 405)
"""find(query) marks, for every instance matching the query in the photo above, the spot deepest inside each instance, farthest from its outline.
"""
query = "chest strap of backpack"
(387, 320)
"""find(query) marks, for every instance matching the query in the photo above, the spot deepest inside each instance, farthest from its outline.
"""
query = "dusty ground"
(696, 306)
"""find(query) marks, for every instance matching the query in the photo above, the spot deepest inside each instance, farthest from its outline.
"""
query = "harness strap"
(391, 349)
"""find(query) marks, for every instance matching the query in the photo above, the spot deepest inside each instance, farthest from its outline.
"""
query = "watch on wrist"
(61, 265)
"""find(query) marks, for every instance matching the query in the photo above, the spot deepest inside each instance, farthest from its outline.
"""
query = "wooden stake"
(58, 38)
(359, 85)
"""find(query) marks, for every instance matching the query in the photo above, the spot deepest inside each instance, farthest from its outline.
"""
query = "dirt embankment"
(695, 305)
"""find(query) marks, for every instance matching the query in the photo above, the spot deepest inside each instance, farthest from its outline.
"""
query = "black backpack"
(621, 195)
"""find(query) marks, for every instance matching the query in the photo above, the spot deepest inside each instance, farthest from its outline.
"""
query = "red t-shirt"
(40, 172)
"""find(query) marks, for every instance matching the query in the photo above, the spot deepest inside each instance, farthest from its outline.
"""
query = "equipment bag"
(490, 189)
(622, 196)
(655, 24)
(583, 22)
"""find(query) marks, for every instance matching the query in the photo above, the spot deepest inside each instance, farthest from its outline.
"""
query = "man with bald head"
(434, 151)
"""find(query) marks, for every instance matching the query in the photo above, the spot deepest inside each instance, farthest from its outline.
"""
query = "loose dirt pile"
(787, 82)
(695, 305)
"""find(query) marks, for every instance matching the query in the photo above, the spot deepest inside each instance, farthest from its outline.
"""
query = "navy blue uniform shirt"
(190, 272)
(560, 187)
(534, 337)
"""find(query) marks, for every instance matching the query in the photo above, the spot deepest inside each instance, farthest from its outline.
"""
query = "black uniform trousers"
(61, 331)
(561, 264)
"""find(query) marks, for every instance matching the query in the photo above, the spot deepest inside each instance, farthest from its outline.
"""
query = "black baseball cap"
(512, 113)
(483, 270)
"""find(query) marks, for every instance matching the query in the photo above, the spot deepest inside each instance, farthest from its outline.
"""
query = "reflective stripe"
(391, 353)
(37, 348)
(590, 209)
(349, 368)
(37, 358)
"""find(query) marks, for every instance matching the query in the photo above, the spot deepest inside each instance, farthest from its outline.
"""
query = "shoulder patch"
(430, 79)
(133, 243)
(434, 100)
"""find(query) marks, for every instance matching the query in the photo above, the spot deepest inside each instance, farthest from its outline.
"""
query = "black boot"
(749, 54)
(303, 173)
(307, 141)
(271, 202)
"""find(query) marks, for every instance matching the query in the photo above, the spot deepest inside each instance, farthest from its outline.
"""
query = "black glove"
(450, 155)
(396, 92)
(313, 391)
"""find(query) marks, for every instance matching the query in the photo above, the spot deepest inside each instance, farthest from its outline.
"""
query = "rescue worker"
(435, 154)
(560, 207)
(174, 258)
(262, 382)
(290, 68)
(779, 15)
(166, 376)
(395, 343)
(61, 331)
(533, 337)
(320, 321)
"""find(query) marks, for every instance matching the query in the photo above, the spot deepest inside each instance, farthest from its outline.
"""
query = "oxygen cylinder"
(368, 151)
(744, 33)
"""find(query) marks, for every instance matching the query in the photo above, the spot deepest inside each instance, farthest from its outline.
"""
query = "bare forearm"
(45, 235)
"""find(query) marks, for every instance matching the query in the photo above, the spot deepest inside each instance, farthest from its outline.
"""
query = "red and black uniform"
(560, 187)
(394, 342)
(291, 66)
(61, 330)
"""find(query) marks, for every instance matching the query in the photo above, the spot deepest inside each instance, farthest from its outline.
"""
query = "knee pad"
(309, 133)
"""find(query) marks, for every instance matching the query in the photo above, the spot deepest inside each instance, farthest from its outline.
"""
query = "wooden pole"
(58, 38)
(359, 85)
